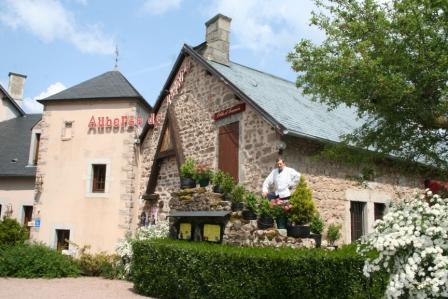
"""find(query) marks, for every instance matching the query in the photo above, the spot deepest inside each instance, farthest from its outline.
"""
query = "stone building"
(18, 147)
(232, 117)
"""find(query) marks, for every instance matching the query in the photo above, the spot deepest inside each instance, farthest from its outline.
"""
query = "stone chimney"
(15, 86)
(217, 38)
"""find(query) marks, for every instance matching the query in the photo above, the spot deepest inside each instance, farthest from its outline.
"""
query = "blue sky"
(60, 43)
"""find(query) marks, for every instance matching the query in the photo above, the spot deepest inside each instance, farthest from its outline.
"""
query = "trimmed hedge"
(177, 269)
(30, 261)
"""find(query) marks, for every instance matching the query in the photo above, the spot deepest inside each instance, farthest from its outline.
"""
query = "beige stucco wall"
(65, 200)
(16, 193)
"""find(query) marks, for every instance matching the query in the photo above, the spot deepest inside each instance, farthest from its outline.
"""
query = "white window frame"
(33, 145)
(64, 127)
(89, 178)
(54, 237)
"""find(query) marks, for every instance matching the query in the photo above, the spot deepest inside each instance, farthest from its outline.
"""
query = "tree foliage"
(389, 60)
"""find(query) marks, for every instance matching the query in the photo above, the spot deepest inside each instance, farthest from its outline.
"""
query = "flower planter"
(281, 222)
(204, 182)
(318, 239)
(187, 183)
(237, 206)
(249, 215)
(299, 231)
(265, 222)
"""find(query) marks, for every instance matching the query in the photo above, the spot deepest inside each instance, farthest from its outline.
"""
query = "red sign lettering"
(229, 111)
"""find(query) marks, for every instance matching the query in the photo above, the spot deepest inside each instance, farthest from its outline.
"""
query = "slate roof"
(284, 102)
(110, 85)
(15, 138)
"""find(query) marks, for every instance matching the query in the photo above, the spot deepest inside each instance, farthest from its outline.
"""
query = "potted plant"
(217, 180)
(187, 171)
(317, 226)
(227, 185)
(250, 201)
(238, 197)
(333, 234)
(302, 211)
(202, 174)
(280, 209)
(264, 210)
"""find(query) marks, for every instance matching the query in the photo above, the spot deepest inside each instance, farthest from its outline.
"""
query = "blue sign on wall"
(37, 222)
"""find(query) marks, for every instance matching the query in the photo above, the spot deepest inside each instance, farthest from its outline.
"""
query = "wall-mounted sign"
(115, 122)
(229, 111)
(212, 232)
(185, 231)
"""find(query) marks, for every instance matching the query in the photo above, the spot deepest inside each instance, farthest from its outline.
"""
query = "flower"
(413, 246)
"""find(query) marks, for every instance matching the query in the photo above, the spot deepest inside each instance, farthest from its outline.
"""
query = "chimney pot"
(15, 86)
(217, 37)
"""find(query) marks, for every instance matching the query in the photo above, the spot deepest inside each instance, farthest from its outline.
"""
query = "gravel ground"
(66, 288)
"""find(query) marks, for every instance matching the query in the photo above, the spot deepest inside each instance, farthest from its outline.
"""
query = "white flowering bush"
(124, 248)
(411, 244)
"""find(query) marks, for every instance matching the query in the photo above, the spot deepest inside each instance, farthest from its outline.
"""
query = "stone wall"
(203, 94)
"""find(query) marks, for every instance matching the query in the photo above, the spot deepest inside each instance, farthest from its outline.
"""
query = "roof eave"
(140, 99)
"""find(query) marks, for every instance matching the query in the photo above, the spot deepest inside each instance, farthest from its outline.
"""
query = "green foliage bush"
(317, 224)
(11, 232)
(101, 264)
(187, 169)
(31, 261)
(176, 269)
(302, 204)
(334, 233)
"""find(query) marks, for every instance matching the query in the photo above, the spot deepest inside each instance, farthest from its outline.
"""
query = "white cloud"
(30, 105)
(263, 25)
(50, 21)
(158, 7)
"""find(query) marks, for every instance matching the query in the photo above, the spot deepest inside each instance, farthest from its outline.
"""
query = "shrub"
(227, 184)
(177, 269)
(251, 201)
(302, 204)
(238, 193)
(35, 260)
(11, 232)
(187, 169)
(218, 178)
(317, 224)
(264, 208)
(202, 172)
(411, 243)
(100, 264)
(160, 230)
(334, 233)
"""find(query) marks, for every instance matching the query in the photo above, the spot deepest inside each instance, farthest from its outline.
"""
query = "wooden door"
(228, 149)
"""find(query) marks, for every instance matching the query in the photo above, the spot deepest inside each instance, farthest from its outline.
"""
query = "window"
(357, 219)
(36, 149)
(63, 236)
(67, 132)
(99, 178)
(28, 215)
(0, 211)
(380, 208)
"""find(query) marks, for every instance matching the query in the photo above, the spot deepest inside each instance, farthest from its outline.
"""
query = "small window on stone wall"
(380, 209)
(99, 178)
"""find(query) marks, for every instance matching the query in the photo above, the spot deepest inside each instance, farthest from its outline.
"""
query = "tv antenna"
(116, 57)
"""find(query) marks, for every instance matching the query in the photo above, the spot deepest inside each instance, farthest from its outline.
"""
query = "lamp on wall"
(281, 146)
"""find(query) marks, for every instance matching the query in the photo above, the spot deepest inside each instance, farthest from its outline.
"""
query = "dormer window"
(36, 149)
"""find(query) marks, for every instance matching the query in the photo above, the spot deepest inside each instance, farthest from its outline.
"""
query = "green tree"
(302, 204)
(389, 60)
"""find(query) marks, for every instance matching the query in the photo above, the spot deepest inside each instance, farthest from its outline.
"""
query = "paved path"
(66, 288)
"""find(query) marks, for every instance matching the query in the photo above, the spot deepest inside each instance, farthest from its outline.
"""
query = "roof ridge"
(265, 73)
